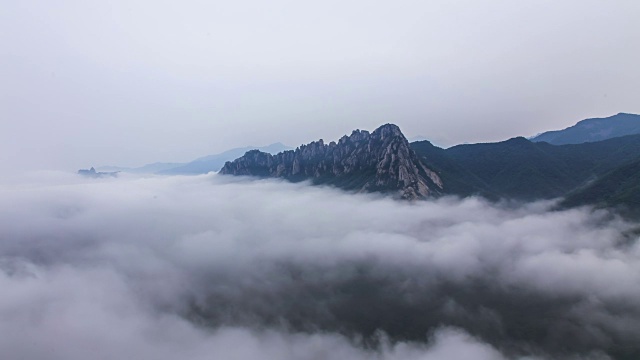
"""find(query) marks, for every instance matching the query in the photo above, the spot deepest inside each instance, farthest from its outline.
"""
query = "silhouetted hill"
(524, 170)
(92, 173)
(515, 168)
(201, 165)
(210, 163)
(591, 130)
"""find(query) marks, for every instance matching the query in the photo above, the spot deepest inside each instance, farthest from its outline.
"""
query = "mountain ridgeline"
(602, 173)
(523, 170)
(591, 130)
(198, 166)
(209, 163)
(380, 161)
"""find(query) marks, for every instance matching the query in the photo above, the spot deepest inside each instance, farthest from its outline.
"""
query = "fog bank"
(222, 267)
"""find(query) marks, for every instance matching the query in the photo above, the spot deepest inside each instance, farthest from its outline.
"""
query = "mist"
(221, 267)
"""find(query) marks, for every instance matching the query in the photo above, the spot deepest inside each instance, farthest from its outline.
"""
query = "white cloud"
(114, 267)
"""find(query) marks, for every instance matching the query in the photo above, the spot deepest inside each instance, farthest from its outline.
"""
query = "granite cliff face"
(381, 161)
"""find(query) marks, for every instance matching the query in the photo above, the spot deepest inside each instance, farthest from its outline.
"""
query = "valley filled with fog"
(213, 266)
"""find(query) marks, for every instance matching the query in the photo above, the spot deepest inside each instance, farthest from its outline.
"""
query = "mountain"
(381, 161)
(515, 169)
(523, 170)
(209, 163)
(619, 188)
(94, 174)
(201, 165)
(592, 130)
(457, 179)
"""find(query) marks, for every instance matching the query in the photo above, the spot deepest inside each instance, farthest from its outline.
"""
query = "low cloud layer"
(218, 267)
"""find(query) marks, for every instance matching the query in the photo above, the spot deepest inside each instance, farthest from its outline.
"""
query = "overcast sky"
(131, 82)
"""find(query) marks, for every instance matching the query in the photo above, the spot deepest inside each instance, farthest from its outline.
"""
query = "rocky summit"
(380, 161)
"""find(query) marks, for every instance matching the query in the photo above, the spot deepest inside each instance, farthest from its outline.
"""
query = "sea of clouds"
(218, 267)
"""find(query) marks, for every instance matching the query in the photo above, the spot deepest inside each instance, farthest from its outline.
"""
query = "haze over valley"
(383, 260)
(216, 266)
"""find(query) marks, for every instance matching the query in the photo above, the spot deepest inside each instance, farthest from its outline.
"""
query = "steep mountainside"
(381, 161)
(592, 130)
(520, 169)
(516, 168)
(619, 188)
(458, 179)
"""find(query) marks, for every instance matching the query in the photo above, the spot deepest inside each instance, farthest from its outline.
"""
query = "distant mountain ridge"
(200, 165)
(602, 173)
(515, 169)
(215, 162)
(381, 161)
(592, 130)
(92, 173)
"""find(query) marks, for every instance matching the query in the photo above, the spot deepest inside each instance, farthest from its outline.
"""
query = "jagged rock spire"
(381, 161)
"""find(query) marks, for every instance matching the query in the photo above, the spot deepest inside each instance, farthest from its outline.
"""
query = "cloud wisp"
(212, 266)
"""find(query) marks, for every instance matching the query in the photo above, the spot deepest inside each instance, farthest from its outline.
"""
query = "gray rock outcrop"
(381, 161)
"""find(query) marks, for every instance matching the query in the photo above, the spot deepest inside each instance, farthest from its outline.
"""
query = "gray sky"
(132, 82)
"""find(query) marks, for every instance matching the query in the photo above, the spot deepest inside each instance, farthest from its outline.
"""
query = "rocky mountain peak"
(380, 161)
(388, 130)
